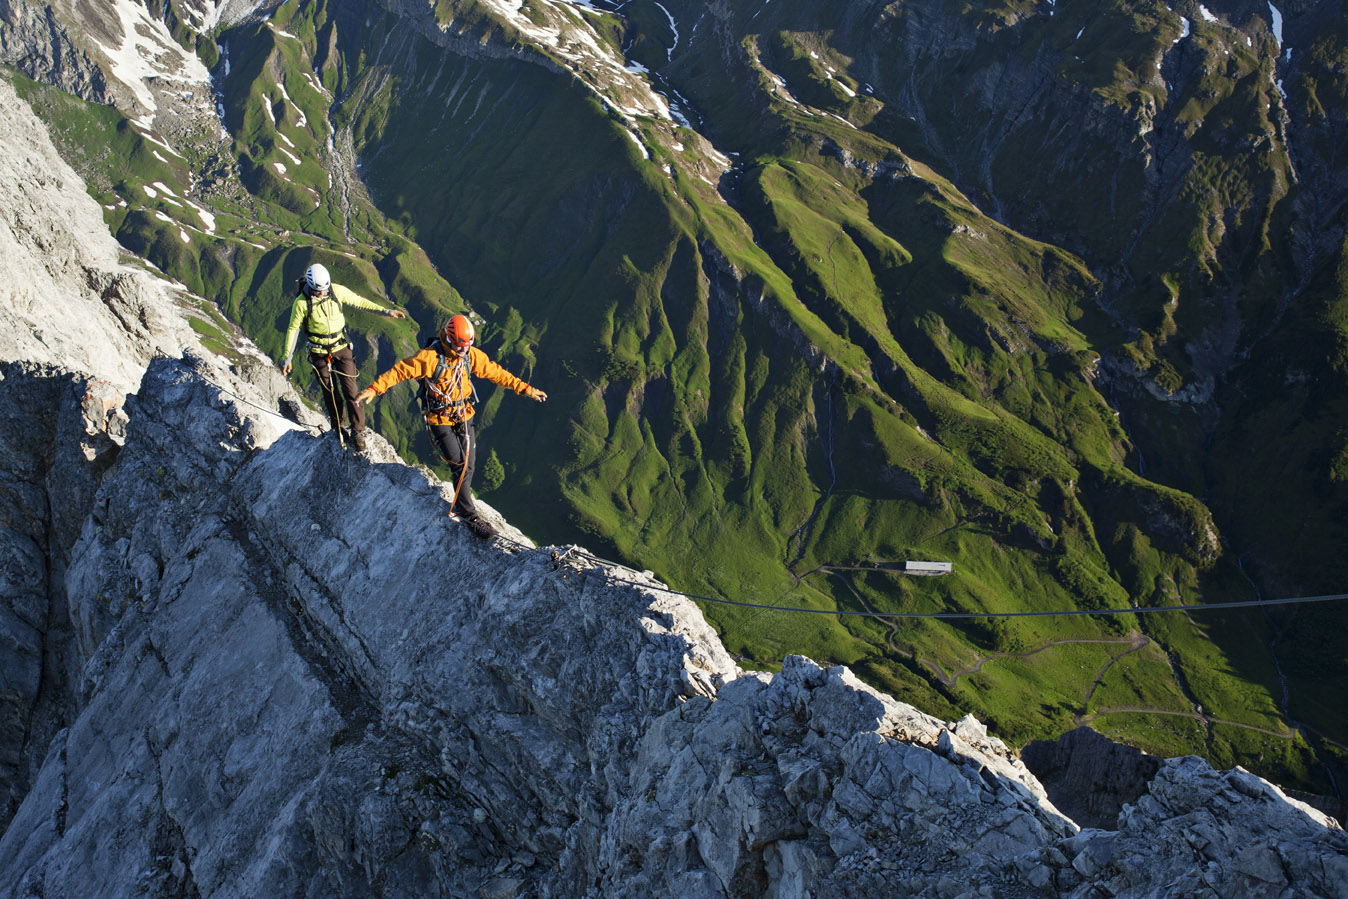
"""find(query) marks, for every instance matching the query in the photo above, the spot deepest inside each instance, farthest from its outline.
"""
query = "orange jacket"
(423, 365)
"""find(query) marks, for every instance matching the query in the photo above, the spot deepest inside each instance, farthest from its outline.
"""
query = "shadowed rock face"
(57, 440)
(1089, 776)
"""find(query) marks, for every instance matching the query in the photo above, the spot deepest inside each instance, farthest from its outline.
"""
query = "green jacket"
(325, 329)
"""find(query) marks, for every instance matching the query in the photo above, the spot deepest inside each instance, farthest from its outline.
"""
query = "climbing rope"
(578, 552)
(574, 551)
(329, 387)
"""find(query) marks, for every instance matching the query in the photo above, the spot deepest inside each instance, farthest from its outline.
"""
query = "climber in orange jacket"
(444, 368)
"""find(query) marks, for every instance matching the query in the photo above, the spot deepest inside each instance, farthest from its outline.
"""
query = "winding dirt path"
(1197, 716)
(1134, 641)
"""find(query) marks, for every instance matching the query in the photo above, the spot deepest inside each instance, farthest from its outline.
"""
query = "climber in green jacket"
(319, 309)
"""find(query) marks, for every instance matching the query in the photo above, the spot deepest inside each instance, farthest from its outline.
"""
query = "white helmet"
(317, 279)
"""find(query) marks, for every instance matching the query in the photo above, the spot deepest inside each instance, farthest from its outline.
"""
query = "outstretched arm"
(420, 365)
(348, 297)
(485, 368)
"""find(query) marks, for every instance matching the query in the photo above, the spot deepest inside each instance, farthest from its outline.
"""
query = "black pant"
(458, 444)
(344, 365)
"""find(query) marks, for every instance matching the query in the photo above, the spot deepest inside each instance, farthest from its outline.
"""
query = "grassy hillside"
(778, 373)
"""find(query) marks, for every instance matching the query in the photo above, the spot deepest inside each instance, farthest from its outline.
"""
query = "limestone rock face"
(34, 40)
(1200, 832)
(70, 300)
(57, 437)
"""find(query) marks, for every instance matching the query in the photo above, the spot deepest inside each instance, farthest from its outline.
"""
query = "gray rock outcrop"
(34, 40)
(78, 324)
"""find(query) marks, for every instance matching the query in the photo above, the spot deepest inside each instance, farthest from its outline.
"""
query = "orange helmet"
(457, 334)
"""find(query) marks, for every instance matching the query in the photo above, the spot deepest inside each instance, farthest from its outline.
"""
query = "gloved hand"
(366, 396)
(534, 393)
(396, 313)
(285, 369)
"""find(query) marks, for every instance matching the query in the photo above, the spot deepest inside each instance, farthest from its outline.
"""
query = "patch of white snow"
(148, 51)
(1277, 22)
(1206, 13)
(149, 191)
(673, 26)
(302, 121)
(645, 154)
(677, 115)
(207, 218)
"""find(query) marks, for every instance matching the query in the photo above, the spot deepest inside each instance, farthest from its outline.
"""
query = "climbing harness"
(436, 399)
(323, 342)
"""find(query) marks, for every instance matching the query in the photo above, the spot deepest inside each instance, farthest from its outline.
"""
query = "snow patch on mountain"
(674, 27)
(148, 53)
(565, 33)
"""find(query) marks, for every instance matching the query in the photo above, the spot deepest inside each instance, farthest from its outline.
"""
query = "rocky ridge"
(254, 664)
(294, 675)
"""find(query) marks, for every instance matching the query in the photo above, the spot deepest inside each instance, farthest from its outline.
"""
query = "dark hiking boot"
(480, 527)
(358, 439)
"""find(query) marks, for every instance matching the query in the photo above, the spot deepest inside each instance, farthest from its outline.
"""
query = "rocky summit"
(240, 660)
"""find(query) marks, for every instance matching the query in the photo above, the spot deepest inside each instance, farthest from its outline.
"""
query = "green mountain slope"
(924, 281)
